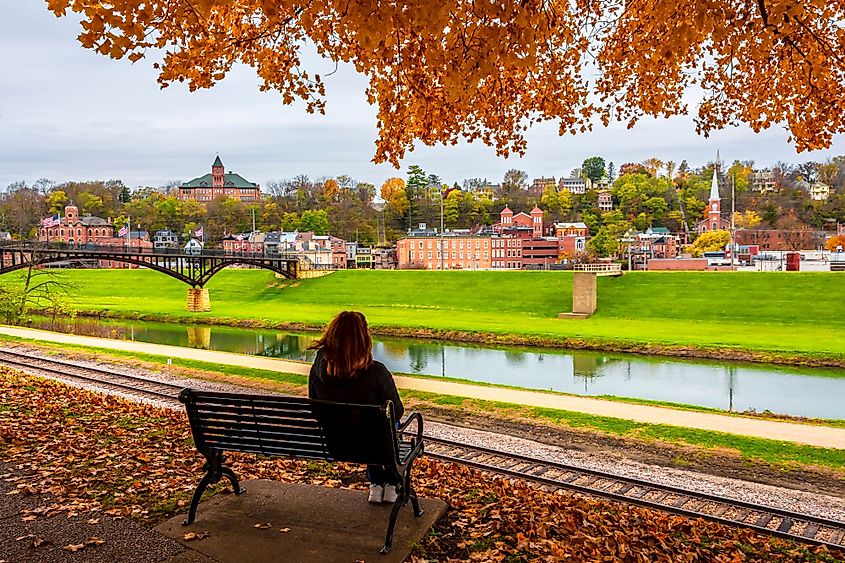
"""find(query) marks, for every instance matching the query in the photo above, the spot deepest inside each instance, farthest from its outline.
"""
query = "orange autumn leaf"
(441, 71)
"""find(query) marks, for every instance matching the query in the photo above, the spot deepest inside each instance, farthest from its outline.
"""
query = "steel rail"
(97, 380)
(629, 490)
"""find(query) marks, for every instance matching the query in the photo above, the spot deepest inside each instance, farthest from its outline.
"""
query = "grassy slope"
(787, 313)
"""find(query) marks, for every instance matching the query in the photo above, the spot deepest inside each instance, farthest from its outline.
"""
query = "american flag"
(198, 232)
(50, 221)
(124, 230)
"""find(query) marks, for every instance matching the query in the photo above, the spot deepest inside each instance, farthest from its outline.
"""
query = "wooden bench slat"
(247, 426)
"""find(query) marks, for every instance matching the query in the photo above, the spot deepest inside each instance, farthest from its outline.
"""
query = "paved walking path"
(822, 436)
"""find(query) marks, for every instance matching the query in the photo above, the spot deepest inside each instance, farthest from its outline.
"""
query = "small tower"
(71, 214)
(506, 217)
(217, 172)
(537, 221)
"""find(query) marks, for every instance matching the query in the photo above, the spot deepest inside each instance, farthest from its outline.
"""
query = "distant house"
(193, 247)
(605, 201)
(539, 185)
(762, 181)
(5, 236)
(165, 239)
(573, 185)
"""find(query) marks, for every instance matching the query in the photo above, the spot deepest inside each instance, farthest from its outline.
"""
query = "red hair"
(346, 345)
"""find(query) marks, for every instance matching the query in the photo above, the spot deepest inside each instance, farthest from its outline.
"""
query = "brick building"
(73, 229)
(533, 221)
(450, 252)
(219, 183)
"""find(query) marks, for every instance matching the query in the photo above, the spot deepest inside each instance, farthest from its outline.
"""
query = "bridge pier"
(584, 297)
(198, 300)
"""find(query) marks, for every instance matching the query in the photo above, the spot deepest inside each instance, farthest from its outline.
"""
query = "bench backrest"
(291, 426)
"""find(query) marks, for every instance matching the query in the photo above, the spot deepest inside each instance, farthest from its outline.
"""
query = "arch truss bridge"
(193, 269)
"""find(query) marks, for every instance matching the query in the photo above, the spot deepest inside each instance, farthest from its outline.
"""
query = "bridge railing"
(96, 251)
(603, 267)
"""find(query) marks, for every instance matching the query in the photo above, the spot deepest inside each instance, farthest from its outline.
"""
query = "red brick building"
(451, 252)
(73, 229)
(220, 183)
(508, 220)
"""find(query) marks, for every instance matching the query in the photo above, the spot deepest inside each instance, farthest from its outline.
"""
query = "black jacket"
(373, 386)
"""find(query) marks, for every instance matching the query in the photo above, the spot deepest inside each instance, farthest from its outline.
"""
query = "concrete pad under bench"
(325, 524)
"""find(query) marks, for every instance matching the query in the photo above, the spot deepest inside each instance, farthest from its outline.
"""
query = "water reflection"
(803, 392)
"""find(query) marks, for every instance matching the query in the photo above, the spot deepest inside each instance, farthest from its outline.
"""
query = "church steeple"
(714, 186)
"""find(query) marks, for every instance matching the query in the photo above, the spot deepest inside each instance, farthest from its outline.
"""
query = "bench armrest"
(414, 416)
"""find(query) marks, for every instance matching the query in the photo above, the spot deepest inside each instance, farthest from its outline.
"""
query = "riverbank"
(789, 319)
(818, 436)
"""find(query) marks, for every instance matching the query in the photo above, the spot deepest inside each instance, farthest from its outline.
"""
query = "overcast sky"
(67, 113)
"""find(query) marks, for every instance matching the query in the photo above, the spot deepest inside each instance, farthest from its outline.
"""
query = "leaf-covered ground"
(94, 454)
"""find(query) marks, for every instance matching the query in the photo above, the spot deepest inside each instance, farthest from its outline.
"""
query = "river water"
(818, 393)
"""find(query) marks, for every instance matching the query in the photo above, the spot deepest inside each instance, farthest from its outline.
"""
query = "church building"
(220, 183)
(713, 220)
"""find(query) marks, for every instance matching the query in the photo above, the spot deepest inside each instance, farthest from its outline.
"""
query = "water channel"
(818, 393)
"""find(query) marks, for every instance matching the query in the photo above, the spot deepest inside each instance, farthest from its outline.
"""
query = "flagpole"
(129, 233)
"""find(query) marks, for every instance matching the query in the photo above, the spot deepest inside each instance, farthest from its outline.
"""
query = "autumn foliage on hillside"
(90, 455)
(442, 70)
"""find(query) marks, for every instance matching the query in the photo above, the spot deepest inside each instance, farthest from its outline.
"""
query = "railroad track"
(764, 519)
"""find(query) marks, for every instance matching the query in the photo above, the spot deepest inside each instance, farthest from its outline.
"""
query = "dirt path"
(821, 436)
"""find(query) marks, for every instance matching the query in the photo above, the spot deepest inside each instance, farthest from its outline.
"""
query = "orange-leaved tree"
(440, 70)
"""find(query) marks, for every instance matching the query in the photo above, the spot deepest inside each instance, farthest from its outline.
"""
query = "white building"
(573, 185)
(762, 181)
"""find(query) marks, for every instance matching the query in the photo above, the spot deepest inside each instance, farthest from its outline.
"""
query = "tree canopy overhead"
(440, 70)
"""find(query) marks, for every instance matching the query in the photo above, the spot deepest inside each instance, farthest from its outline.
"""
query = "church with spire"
(220, 183)
(713, 220)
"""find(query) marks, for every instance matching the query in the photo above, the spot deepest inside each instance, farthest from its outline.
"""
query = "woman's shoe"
(390, 494)
(377, 494)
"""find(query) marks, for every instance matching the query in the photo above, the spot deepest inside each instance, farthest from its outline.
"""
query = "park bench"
(277, 425)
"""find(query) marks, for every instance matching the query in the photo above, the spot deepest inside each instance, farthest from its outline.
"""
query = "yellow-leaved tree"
(710, 241)
(441, 70)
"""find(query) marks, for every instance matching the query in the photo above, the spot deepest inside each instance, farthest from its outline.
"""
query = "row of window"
(70, 232)
(500, 253)
(509, 265)
(450, 243)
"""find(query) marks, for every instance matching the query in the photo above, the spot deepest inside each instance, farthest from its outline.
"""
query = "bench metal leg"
(228, 473)
(394, 513)
(192, 512)
(214, 471)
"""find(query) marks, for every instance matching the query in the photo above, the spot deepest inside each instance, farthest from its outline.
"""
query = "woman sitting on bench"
(344, 371)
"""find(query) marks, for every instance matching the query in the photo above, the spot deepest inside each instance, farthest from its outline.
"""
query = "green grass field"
(800, 315)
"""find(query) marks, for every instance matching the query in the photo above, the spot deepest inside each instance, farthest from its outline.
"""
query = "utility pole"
(733, 226)
(440, 189)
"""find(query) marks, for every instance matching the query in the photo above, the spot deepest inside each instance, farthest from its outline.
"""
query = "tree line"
(647, 194)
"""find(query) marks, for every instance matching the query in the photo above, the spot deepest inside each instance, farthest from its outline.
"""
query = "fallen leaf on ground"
(285, 530)
(94, 540)
(190, 536)
(34, 541)
(74, 547)
(94, 521)
(263, 526)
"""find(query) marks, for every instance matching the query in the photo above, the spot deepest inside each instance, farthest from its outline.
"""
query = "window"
(429, 255)
(478, 244)
(454, 255)
(462, 255)
(420, 245)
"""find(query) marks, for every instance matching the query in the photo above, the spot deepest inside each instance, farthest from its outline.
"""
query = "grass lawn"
(795, 314)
